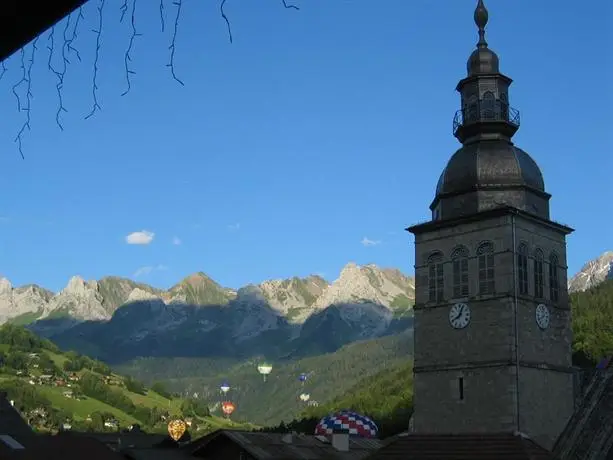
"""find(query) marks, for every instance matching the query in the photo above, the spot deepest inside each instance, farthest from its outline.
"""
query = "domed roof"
(489, 164)
(482, 61)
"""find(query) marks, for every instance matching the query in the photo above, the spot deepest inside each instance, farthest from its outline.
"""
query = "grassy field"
(82, 408)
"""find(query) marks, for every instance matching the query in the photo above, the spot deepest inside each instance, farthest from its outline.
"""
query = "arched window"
(522, 268)
(485, 254)
(554, 279)
(487, 105)
(459, 258)
(435, 277)
(539, 282)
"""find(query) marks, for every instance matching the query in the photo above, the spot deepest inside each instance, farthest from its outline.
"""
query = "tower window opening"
(485, 252)
(522, 268)
(436, 280)
(459, 259)
(487, 105)
(461, 388)
(504, 107)
(538, 274)
(554, 280)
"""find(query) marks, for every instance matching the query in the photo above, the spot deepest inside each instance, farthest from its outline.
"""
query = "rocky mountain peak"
(5, 286)
(593, 273)
(78, 287)
(367, 282)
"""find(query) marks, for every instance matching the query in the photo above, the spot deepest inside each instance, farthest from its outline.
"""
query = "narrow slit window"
(461, 388)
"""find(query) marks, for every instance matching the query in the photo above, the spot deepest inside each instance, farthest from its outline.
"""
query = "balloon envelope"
(265, 368)
(225, 387)
(176, 429)
(227, 407)
(303, 377)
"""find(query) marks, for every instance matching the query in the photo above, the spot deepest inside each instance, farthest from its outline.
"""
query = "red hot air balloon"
(227, 408)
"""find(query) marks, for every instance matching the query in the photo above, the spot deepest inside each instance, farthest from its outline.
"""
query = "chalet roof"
(12, 426)
(589, 432)
(284, 446)
(504, 446)
(131, 439)
(66, 448)
(22, 20)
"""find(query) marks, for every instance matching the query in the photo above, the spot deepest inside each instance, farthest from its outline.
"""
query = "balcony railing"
(484, 112)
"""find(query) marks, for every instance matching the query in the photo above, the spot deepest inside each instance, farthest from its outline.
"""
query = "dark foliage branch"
(67, 51)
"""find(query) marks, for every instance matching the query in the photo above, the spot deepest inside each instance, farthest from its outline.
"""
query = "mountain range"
(117, 319)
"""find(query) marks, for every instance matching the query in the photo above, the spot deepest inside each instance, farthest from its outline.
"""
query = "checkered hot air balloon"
(347, 422)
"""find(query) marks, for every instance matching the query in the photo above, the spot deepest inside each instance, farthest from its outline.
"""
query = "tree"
(160, 389)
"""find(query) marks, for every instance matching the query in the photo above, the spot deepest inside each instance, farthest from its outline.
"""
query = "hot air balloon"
(227, 408)
(347, 422)
(264, 369)
(303, 377)
(176, 429)
(224, 387)
(304, 397)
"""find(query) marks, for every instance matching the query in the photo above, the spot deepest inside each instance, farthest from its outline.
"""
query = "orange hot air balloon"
(176, 429)
(227, 407)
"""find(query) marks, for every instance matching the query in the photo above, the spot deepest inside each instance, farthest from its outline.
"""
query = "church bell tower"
(492, 316)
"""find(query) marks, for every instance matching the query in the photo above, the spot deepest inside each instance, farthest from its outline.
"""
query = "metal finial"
(481, 17)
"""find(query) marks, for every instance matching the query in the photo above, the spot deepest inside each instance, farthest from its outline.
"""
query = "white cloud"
(143, 271)
(234, 227)
(367, 242)
(142, 237)
(176, 241)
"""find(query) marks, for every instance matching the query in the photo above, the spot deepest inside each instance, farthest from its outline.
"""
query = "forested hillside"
(593, 323)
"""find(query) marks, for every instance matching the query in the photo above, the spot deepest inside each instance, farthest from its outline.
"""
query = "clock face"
(459, 316)
(542, 316)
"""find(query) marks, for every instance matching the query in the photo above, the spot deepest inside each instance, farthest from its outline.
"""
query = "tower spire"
(481, 17)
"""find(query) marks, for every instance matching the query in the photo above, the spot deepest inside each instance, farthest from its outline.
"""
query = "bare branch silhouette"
(27, 78)
(171, 64)
(58, 74)
(98, 33)
(223, 15)
(289, 6)
(69, 46)
(123, 9)
(23, 78)
(162, 13)
(127, 57)
(70, 34)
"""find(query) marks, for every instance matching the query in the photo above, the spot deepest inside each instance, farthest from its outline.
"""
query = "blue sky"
(314, 132)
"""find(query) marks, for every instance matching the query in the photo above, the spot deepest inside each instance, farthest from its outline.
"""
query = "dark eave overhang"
(21, 21)
(490, 213)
